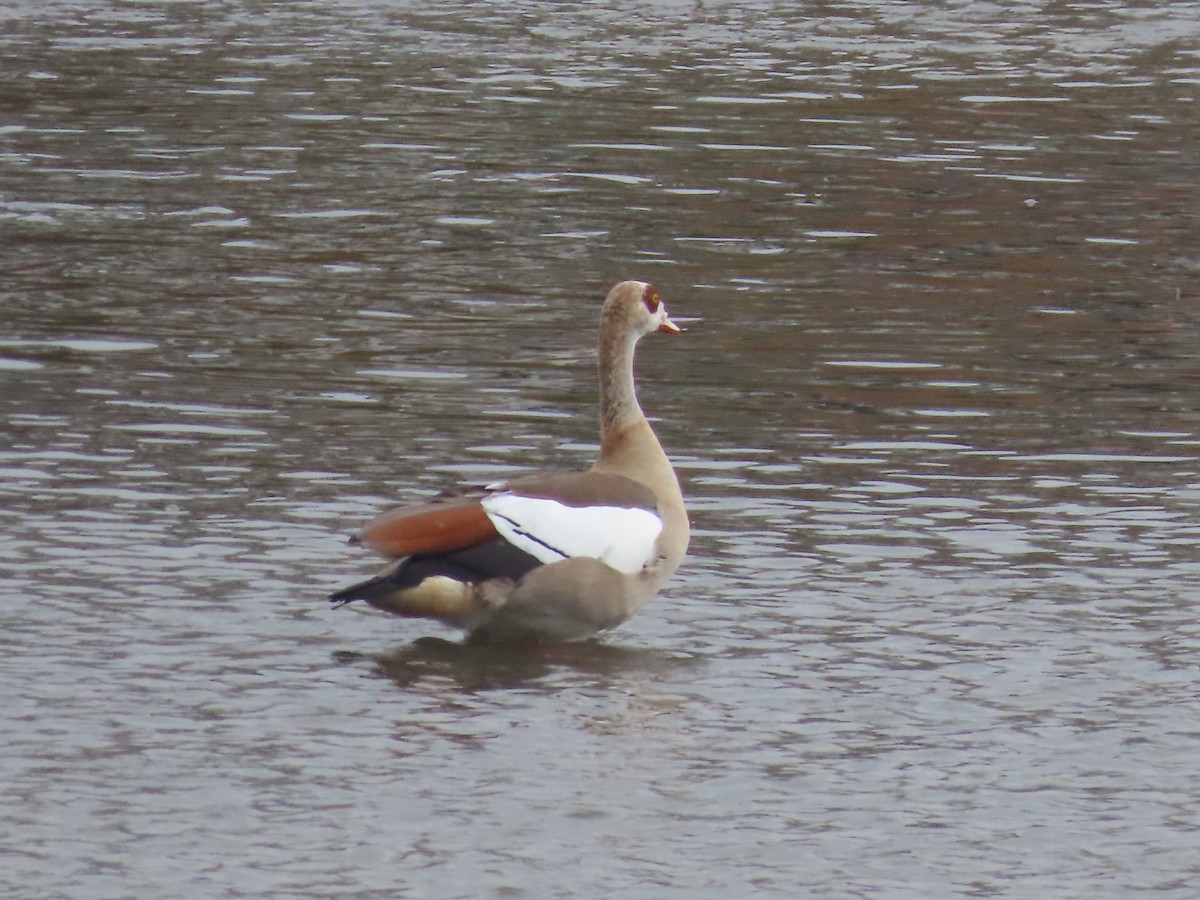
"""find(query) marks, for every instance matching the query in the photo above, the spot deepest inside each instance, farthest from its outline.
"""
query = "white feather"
(548, 530)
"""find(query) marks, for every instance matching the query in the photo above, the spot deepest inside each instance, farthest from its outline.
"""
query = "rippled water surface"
(270, 267)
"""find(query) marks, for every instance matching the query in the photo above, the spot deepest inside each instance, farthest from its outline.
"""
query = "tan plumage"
(522, 561)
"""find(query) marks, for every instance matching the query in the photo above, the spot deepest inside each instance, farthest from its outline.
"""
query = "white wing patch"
(619, 536)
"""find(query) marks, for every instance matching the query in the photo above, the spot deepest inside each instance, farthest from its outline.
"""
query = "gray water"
(268, 268)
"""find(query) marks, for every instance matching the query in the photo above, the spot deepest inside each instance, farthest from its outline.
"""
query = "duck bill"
(669, 327)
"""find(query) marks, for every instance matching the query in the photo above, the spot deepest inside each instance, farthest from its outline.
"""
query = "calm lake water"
(270, 267)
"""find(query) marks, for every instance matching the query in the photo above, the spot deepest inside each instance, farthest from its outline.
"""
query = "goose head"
(634, 309)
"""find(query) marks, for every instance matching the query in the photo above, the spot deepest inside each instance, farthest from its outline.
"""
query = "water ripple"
(934, 414)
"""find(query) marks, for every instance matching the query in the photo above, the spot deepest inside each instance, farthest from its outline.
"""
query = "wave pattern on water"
(268, 270)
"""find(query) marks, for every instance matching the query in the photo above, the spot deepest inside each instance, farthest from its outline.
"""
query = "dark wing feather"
(493, 559)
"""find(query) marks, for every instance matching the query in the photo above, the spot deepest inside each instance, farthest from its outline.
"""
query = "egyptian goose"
(552, 557)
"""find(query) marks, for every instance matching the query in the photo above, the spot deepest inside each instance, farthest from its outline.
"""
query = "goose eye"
(650, 298)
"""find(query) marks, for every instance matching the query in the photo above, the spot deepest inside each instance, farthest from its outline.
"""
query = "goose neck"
(619, 405)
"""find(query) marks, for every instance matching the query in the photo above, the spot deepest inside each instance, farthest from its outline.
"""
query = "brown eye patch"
(650, 298)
